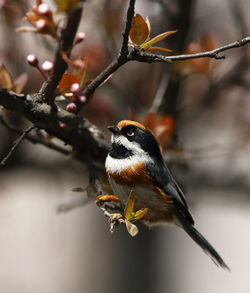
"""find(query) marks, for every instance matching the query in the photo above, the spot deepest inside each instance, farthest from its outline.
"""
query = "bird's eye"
(130, 132)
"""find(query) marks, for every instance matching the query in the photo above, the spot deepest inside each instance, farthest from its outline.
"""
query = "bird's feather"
(163, 179)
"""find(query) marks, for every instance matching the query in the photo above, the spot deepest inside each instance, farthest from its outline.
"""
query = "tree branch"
(47, 90)
(84, 137)
(35, 139)
(121, 59)
(130, 13)
(142, 56)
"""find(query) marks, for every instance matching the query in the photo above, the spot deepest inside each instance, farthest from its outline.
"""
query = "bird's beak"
(114, 129)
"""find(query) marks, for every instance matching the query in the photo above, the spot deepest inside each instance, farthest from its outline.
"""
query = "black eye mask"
(119, 151)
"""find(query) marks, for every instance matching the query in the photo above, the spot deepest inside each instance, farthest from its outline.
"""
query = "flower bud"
(32, 60)
(74, 87)
(41, 24)
(79, 37)
(82, 98)
(71, 107)
(47, 66)
(43, 9)
(62, 125)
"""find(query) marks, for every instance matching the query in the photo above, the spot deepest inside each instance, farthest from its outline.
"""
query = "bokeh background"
(205, 106)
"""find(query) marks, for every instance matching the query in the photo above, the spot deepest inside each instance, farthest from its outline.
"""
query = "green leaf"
(128, 211)
(157, 39)
(65, 5)
(140, 214)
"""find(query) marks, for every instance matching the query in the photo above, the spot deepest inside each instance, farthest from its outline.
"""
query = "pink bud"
(71, 107)
(32, 60)
(74, 87)
(63, 125)
(47, 66)
(40, 24)
(79, 37)
(43, 8)
(82, 98)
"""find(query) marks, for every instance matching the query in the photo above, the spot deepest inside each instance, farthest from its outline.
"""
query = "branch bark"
(85, 138)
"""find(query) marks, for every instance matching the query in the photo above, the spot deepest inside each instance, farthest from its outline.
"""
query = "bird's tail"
(202, 242)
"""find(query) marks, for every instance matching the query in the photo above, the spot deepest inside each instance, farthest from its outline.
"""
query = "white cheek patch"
(113, 165)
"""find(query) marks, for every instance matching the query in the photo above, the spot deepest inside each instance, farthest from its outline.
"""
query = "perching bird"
(135, 163)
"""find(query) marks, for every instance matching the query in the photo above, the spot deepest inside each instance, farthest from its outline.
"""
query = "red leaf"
(66, 82)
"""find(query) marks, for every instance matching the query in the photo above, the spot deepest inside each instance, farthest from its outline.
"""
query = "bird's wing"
(163, 179)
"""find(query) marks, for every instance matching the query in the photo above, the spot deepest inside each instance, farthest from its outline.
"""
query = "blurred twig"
(76, 203)
(16, 144)
(236, 10)
(35, 139)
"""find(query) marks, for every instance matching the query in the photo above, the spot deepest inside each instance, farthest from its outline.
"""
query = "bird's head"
(130, 138)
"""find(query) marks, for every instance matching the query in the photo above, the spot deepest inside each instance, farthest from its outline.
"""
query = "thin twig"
(159, 96)
(113, 221)
(121, 59)
(35, 139)
(143, 56)
(136, 54)
(16, 144)
(130, 13)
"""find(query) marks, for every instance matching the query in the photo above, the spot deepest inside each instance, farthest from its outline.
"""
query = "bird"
(135, 163)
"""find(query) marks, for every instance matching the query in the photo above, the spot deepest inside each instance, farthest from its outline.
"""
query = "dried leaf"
(159, 49)
(139, 31)
(26, 29)
(107, 197)
(140, 214)
(5, 78)
(128, 211)
(33, 17)
(132, 228)
(66, 82)
(44, 24)
(150, 121)
(157, 39)
(20, 83)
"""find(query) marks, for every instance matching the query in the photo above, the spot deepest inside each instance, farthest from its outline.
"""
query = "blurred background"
(201, 116)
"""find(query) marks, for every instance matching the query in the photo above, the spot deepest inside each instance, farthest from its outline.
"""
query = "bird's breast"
(146, 196)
